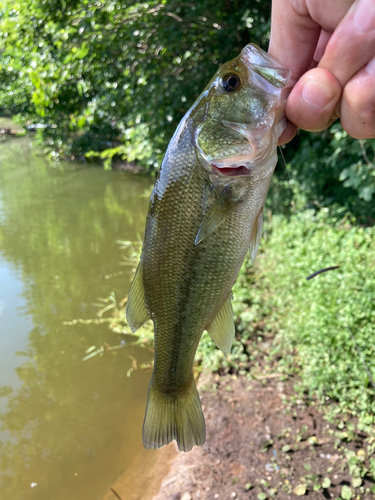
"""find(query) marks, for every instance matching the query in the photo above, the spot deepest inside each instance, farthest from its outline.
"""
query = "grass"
(325, 326)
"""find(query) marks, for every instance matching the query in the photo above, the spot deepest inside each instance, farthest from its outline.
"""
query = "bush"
(98, 73)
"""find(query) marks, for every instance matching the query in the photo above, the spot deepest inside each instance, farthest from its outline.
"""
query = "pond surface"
(69, 428)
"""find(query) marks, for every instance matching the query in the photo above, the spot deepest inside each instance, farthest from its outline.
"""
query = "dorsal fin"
(136, 312)
(221, 330)
(217, 214)
(278, 77)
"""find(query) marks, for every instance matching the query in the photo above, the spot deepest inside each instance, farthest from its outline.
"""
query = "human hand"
(330, 47)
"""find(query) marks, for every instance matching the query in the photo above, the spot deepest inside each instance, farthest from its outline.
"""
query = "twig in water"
(322, 271)
(362, 358)
(116, 494)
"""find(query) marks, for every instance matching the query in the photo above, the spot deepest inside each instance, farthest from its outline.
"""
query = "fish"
(205, 214)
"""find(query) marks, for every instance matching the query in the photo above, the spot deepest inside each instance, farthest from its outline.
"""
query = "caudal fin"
(176, 417)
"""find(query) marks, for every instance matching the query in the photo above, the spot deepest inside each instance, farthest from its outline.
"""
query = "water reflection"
(73, 426)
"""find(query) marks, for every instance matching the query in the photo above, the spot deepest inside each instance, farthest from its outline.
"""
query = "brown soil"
(259, 446)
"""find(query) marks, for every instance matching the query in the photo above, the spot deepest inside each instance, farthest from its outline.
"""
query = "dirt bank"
(143, 480)
(260, 445)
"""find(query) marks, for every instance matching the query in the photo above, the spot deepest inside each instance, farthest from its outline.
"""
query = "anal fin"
(217, 214)
(256, 236)
(136, 312)
(221, 330)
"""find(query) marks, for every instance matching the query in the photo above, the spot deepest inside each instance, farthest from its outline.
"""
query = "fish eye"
(231, 82)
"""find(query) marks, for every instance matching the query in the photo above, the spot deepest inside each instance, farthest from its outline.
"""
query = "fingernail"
(370, 66)
(364, 15)
(317, 94)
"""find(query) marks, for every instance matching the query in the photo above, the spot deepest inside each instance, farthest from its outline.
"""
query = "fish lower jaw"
(230, 171)
(235, 166)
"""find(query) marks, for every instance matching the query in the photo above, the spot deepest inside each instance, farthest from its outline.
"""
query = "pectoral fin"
(221, 209)
(136, 312)
(256, 236)
(221, 330)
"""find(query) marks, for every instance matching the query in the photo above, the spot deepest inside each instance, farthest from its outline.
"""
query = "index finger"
(352, 44)
(296, 26)
(294, 36)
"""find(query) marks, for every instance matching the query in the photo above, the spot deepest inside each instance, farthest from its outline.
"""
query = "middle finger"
(352, 44)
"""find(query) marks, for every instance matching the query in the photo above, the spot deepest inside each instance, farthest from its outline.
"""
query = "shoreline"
(262, 442)
(143, 480)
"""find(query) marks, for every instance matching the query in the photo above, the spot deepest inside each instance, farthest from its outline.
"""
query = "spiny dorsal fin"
(217, 214)
(278, 77)
(221, 330)
(136, 312)
(256, 236)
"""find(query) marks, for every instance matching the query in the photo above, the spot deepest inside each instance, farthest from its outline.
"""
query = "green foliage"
(346, 493)
(91, 72)
(326, 169)
(135, 147)
(326, 483)
(312, 317)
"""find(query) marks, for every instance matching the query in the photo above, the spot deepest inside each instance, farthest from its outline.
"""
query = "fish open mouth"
(230, 171)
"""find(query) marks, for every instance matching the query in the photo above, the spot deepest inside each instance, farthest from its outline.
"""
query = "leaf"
(354, 470)
(300, 490)
(262, 496)
(344, 174)
(326, 483)
(356, 482)
(367, 192)
(346, 492)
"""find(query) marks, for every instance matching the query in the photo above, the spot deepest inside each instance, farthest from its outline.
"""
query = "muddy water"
(70, 429)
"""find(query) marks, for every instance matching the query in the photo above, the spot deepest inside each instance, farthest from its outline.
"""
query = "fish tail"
(169, 417)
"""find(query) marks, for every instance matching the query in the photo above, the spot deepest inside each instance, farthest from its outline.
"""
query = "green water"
(69, 428)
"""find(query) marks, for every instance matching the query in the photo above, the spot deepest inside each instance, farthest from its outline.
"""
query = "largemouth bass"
(205, 213)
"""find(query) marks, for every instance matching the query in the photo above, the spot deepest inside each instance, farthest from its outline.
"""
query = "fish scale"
(201, 223)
